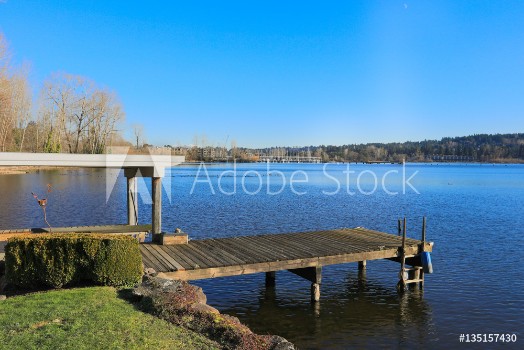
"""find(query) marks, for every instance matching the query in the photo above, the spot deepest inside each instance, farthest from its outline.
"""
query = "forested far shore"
(483, 148)
(474, 148)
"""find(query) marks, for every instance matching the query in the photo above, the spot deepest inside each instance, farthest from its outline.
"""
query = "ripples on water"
(475, 217)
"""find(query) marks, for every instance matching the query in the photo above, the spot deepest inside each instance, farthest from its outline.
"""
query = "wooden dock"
(301, 253)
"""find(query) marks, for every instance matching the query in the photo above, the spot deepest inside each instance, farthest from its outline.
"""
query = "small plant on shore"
(42, 202)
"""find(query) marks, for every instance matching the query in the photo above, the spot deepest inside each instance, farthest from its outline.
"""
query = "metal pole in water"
(404, 236)
(424, 229)
(402, 283)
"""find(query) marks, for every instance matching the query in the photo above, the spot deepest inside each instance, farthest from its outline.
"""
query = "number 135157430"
(488, 338)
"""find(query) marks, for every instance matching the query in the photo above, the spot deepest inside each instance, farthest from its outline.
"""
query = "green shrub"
(56, 260)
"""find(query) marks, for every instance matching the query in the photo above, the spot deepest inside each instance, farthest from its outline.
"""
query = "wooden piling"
(398, 227)
(270, 279)
(414, 274)
(156, 217)
(132, 201)
(362, 265)
(315, 292)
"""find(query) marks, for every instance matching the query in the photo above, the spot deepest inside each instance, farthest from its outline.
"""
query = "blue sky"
(290, 73)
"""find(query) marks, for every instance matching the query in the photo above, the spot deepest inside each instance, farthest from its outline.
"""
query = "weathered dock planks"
(219, 257)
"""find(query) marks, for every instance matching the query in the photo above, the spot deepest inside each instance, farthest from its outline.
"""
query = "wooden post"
(361, 279)
(362, 265)
(156, 218)
(132, 201)
(270, 279)
(399, 228)
(414, 274)
(315, 286)
(315, 292)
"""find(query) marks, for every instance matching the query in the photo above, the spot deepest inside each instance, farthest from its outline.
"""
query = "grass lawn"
(87, 318)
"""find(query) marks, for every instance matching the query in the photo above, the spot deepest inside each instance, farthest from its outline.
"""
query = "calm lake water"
(475, 218)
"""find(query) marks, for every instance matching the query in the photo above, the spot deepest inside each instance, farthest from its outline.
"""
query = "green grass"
(87, 318)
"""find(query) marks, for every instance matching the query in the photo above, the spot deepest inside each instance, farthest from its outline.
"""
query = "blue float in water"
(426, 262)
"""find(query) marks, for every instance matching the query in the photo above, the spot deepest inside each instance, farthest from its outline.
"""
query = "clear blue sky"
(287, 72)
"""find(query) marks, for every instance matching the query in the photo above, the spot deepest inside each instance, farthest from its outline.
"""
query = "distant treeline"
(477, 148)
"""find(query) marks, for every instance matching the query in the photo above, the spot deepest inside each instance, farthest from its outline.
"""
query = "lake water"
(475, 217)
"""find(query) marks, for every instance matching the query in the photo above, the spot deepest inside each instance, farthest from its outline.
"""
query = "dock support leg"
(270, 279)
(315, 292)
(156, 217)
(362, 265)
(414, 275)
(132, 201)
(314, 275)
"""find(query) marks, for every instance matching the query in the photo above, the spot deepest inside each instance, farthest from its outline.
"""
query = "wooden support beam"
(156, 218)
(314, 275)
(270, 279)
(132, 201)
(362, 265)
(170, 238)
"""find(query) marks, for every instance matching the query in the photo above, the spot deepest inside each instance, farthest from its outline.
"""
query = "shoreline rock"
(186, 305)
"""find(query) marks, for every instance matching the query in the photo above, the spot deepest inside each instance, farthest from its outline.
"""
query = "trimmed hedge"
(56, 260)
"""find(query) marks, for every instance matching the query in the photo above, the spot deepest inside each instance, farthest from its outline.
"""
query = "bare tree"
(5, 93)
(15, 102)
(78, 114)
(21, 107)
(75, 115)
(138, 134)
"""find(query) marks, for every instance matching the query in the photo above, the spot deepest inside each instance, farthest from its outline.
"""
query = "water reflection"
(356, 312)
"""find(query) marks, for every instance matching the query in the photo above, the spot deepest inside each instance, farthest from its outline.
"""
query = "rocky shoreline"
(185, 305)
